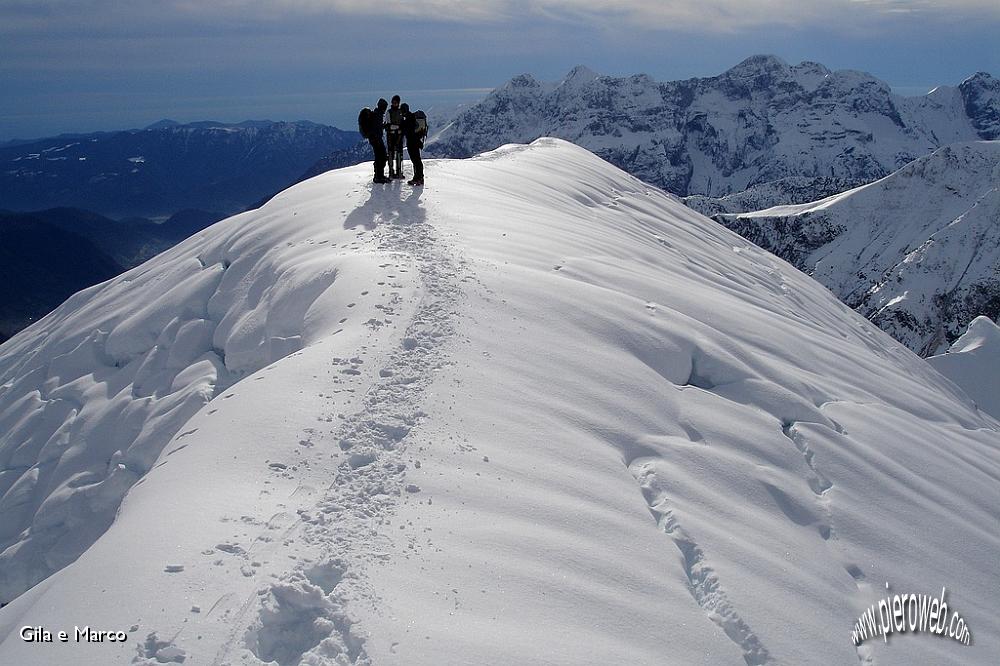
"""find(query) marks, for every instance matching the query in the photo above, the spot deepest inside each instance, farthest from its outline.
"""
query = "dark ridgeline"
(42, 265)
(157, 171)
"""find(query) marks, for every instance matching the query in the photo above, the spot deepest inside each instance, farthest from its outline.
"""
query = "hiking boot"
(415, 182)
(380, 180)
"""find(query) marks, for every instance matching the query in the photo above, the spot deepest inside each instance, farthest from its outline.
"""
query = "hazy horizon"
(105, 66)
(341, 113)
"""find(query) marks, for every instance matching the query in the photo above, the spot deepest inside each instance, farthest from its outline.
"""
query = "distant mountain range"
(762, 134)
(55, 246)
(47, 256)
(787, 133)
(917, 252)
(167, 167)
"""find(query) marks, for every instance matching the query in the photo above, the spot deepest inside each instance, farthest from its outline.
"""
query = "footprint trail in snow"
(304, 615)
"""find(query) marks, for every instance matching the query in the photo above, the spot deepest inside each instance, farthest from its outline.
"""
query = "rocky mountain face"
(784, 132)
(165, 168)
(981, 93)
(791, 190)
(917, 252)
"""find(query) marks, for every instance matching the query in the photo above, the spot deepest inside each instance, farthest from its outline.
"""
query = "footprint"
(855, 571)
(793, 510)
(230, 548)
(326, 575)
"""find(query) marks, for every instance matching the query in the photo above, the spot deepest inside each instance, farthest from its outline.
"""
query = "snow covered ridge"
(538, 413)
(973, 362)
(92, 393)
(916, 252)
(777, 129)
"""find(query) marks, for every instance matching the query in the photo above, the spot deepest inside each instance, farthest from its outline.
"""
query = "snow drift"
(973, 362)
(539, 413)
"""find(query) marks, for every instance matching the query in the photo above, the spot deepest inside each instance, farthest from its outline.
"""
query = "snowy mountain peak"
(943, 93)
(757, 65)
(981, 93)
(761, 122)
(982, 333)
(539, 412)
(522, 82)
(809, 74)
(580, 75)
(851, 79)
(980, 80)
(810, 67)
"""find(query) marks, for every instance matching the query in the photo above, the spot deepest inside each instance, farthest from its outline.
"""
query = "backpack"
(364, 120)
(421, 123)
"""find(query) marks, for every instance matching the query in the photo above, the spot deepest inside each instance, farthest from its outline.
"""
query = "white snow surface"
(973, 362)
(538, 413)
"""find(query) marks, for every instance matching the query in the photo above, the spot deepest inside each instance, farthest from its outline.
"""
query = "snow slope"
(537, 413)
(973, 362)
(917, 252)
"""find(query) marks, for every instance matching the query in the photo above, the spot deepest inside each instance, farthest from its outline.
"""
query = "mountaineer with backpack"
(415, 130)
(394, 138)
(371, 128)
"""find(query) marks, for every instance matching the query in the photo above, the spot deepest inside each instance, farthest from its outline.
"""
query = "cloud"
(692, 17)
(705, 16)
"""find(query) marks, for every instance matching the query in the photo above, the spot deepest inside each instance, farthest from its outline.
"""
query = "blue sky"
(83, 65)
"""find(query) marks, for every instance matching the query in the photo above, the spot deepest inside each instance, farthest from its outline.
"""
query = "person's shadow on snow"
(386, 205)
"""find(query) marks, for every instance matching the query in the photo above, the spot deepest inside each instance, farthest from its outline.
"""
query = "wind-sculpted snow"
(92, 393)
(973, 362)
(543, 413)
(917, 252)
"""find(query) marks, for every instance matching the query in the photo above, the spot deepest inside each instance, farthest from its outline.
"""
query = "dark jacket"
(410, 131)
(375, 127)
